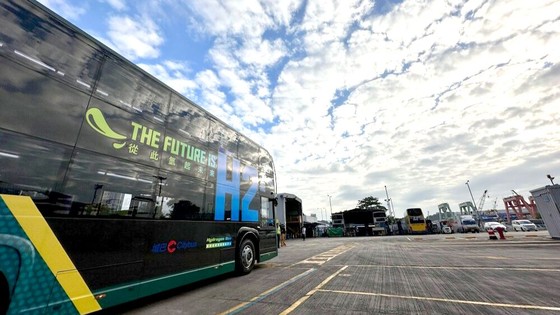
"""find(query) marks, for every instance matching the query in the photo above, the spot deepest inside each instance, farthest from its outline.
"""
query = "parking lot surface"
(428, 274)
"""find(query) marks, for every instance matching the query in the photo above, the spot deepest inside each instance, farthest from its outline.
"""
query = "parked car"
(523, 225)
(539, 223)
(493, 226)
(446, 230)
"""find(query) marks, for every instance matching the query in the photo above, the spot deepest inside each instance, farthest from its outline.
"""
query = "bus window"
(58, 117)
(182, 199)
(103, 186)
(132, 90)
(189, 120)
(45, 46)
(32, 167)
(267, 212)
(224, 138)
(248, 151)
(266, 173)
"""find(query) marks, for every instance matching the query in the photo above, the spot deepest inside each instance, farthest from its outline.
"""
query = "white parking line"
(458, 268)
(522, 306)
(240, 307)
(310, 293)
(322, 258)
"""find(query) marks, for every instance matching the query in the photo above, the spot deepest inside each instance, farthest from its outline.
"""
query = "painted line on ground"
(322, 258)
(517, 258)
(458, 267)
(240, 307)
(313, 291)
(519, 306)
(487, 243)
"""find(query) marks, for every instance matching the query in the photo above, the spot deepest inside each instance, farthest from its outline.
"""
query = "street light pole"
(330, 204)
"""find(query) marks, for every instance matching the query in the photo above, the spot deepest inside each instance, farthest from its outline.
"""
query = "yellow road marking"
(52, 252)
(523, 306)
(310, 293)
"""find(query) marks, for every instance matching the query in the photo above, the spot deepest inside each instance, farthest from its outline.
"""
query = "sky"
(351, 96)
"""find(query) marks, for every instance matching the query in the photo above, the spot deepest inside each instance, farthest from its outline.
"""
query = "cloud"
(71, 12)
(118, 5)
(134, 37)
(174, 74)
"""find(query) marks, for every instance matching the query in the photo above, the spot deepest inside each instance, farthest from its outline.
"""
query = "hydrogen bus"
(415, 221)
(113, 186)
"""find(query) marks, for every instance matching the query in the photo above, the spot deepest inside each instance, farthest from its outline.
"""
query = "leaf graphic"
(95, 119)
(119, 145)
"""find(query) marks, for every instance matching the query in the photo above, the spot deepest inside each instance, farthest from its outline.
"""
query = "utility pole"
(330, 204)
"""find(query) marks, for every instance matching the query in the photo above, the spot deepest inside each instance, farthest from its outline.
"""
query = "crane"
(481, 202)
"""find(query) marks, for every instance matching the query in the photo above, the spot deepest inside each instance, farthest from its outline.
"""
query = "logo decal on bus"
(96, 120)
(153, 140)
(229, 177)
(219, 241)
(172, 246)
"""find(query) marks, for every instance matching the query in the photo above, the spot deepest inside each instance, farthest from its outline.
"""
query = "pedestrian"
(303, 233)
(278, 232)
(282, 235)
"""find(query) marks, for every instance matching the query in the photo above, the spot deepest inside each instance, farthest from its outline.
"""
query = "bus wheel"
(4, 295)
(245, 257)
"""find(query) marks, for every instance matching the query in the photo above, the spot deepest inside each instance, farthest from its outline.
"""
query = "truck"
(465, 224)
(361, 222)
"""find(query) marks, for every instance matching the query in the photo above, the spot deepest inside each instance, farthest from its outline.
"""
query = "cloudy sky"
(351, 96)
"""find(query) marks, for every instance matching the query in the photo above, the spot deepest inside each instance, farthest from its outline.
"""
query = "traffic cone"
(491, 234)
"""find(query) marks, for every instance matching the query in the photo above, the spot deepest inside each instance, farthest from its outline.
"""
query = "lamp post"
(330, 204)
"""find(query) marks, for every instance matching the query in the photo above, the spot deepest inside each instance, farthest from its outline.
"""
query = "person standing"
(278, 232)
(282, 235)
(303, 230)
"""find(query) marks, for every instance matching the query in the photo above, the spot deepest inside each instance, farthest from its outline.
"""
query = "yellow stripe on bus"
(52, 252)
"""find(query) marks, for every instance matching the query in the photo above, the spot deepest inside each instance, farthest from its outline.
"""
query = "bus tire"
(245, 257)
(4, 295)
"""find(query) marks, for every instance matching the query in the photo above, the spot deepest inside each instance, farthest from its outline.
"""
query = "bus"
(415, 221)
(113, 186)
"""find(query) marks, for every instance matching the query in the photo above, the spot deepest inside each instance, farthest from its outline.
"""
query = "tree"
(370, 203)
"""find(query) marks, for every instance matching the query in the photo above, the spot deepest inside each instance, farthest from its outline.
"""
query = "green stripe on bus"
(120, 294)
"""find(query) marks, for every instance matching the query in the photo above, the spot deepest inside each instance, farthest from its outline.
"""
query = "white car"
(493, 226)
(523, 225)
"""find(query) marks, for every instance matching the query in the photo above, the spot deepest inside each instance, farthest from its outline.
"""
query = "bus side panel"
(9, 263)
(36, 283)
(124, 259)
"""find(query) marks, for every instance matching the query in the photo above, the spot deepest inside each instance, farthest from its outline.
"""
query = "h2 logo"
(230, 187)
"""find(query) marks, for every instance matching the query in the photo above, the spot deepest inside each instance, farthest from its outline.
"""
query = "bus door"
(267, 227)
